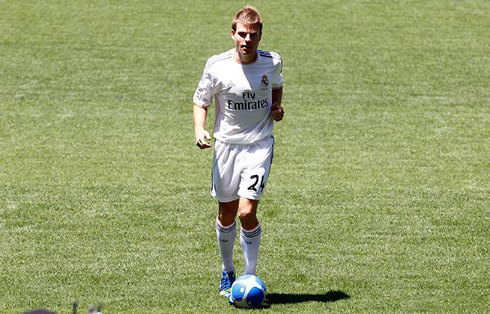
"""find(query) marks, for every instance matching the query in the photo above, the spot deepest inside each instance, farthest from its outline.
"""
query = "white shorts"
(241, 170)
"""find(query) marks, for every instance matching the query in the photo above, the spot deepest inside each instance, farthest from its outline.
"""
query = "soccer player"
(246, 84)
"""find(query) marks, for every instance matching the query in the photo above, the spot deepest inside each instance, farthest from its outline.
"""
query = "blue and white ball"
(248, 291)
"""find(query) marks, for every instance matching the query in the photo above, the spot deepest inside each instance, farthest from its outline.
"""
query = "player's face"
(247, 38)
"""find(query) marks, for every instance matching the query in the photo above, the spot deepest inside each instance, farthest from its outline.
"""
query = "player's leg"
(226, 232)
(247, 212)
(251, 233)
(224, 187)
(227, 212)
(258, 157)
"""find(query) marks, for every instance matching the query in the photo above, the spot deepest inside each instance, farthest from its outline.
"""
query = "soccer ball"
(248, 291)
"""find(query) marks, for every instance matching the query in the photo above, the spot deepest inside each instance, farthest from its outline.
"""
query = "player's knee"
(227, 212)
(247, 216)
(226, 219)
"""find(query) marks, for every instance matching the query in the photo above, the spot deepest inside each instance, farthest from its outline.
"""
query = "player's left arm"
(277, 111)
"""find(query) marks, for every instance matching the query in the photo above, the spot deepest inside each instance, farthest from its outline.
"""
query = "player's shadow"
(292, 298)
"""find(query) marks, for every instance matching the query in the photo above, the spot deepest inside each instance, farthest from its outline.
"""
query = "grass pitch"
(379, 197)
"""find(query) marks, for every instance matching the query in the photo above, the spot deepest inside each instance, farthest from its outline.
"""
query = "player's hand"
(277, 112)
(202, 137)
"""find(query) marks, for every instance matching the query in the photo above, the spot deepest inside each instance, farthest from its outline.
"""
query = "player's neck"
(245, 59)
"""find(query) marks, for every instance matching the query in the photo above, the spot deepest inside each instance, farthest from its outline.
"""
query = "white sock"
(226, 242)
(250, 242)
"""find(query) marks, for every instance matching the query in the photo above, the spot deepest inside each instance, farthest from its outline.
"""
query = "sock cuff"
(251, 233)
(227, 229)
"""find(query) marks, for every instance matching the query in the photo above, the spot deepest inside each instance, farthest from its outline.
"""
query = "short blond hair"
(247, 15)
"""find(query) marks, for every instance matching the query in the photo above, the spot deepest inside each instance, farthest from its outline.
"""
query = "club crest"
(265, 80)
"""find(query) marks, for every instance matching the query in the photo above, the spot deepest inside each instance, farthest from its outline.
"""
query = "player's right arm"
(202, 100)
(202, 136)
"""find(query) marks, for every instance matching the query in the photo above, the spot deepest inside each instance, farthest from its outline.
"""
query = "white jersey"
(242, 93)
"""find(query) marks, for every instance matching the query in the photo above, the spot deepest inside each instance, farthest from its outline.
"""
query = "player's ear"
(232, 33)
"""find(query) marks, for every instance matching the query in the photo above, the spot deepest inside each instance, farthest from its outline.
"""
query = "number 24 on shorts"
(253, 187)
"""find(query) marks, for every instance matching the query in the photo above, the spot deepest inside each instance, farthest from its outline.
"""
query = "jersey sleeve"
(203, 95)
(278, 79)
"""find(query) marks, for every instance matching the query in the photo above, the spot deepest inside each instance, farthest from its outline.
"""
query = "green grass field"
(379, 197)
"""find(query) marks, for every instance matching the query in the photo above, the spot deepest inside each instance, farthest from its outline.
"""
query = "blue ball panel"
(255, 297)
(238, 291)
